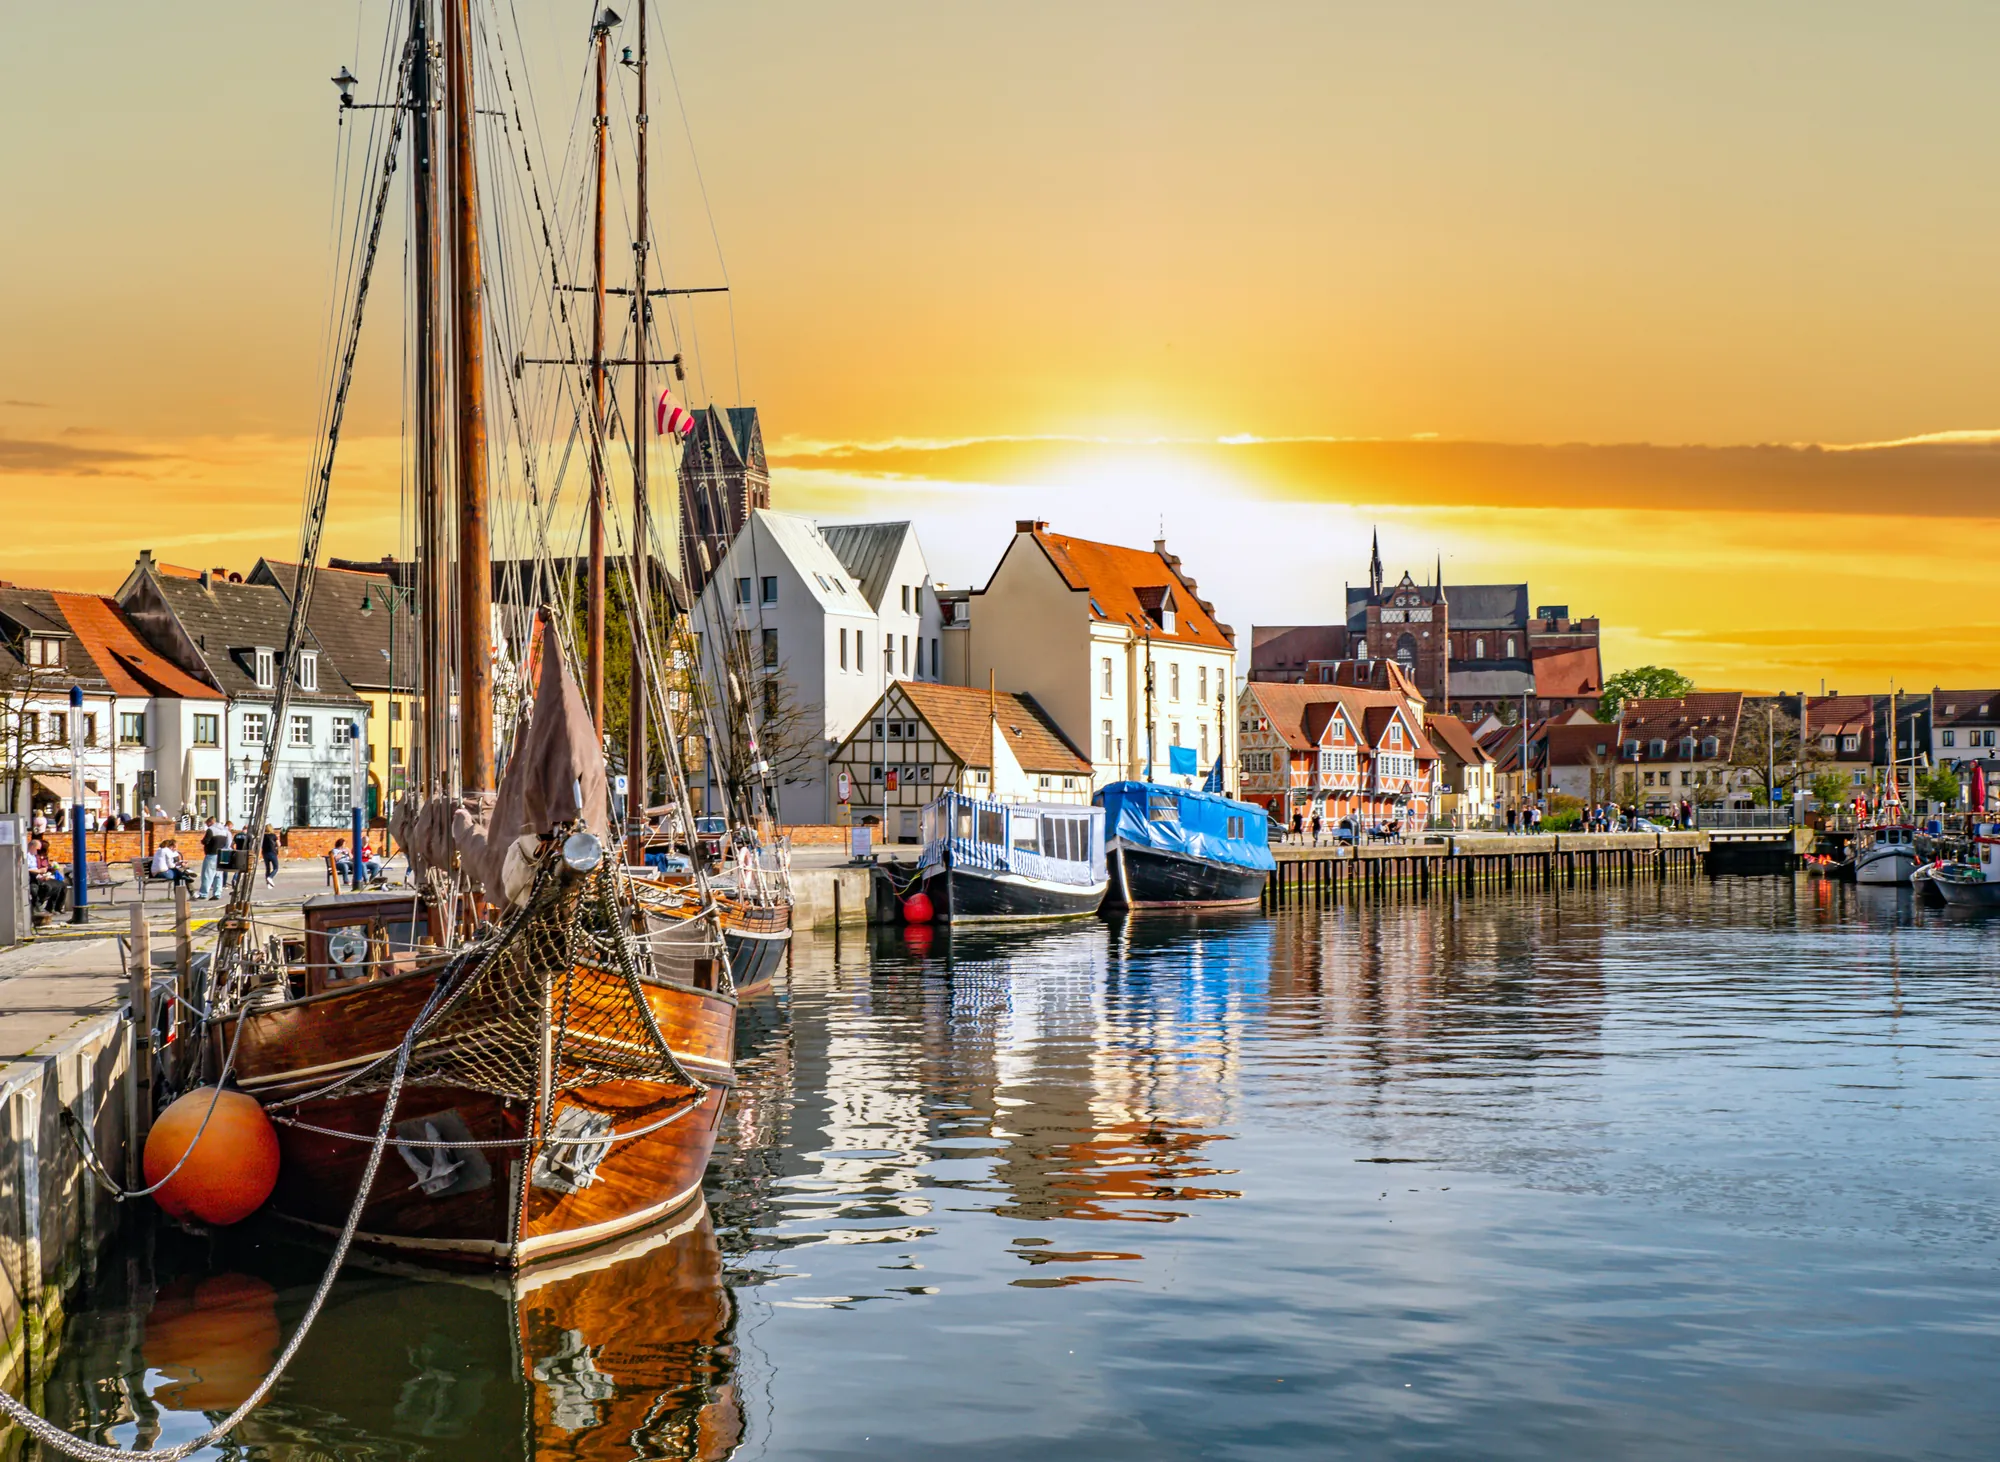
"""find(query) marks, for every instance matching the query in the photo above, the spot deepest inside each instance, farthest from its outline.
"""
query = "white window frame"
(256, 726)
(300, 732)
(264, 667)
(1104, 680)
(343, 731)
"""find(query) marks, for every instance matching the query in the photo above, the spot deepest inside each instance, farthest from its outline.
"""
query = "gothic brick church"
(1472, 649)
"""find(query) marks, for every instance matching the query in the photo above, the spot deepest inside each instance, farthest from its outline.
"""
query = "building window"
(934, 657)
(395, 756)
(858, 651)
(1104, 677)
(1110, 750)
(343, 731)
(1173, 733)
(207, 730)
(1860, 779)
(59, 727)
(773, 698)
(1174, 684)
(1850, 743)
(1361, 650)
(131, 728)
(1204, 743)
(309, 670)
(254, 723)
(395, 711)
(888, 654)
(843, 649)
(207, 797)
(770, 589)
(266, 669)
(31, 727)
(90, 728)
(45, 653)
(1201, 686)
(343, 790)
(906, 654)
(770, 649)
(906, 598)
(742, 591)
(302, 731)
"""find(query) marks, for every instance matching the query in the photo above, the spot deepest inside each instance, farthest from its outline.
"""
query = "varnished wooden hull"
(501, 1208)
(758, 937)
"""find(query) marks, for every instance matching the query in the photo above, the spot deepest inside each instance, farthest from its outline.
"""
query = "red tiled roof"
(125, 661)
(1564, 674)
(1578, 746)
(1835, 714)
(1452, 735)
(1300, 713)
(176, 571)
(1703, 714)
(1957, 707)
(1121, 580)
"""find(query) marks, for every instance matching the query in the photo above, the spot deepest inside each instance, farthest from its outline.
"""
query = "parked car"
(1647, 825)
(710, 835)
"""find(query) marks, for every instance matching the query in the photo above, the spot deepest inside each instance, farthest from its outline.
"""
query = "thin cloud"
(26, 405)
(61, 459)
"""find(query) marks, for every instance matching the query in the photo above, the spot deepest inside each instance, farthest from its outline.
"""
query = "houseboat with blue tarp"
(1012, 860)
(1177, 847)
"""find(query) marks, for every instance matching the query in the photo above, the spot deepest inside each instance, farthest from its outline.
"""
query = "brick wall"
(815, 835)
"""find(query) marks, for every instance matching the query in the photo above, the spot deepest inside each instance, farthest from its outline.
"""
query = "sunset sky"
(1684, 314)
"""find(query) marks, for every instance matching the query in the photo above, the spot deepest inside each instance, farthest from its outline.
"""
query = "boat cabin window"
(1027, 836)
(1163, 807)
(992, 826)
(1234, 829)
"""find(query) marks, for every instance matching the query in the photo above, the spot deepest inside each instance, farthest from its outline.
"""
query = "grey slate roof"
(1484, 683)
(868, 551)
(357, 642)
(1473, 606)
(228, 622)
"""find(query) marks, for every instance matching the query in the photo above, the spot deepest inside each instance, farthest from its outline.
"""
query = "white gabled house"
(817, 622)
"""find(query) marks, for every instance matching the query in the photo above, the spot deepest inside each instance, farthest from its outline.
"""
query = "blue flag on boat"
(1182, 762)
(1214, 782)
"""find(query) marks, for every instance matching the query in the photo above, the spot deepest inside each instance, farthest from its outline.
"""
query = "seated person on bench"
(167, 864)
(343, 862)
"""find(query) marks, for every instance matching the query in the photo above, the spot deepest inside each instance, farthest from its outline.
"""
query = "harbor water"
(1689, 1169)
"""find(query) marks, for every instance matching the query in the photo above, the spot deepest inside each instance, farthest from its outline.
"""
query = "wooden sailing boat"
(562, 1037)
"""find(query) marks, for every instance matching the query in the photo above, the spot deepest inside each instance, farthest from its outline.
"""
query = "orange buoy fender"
(231, 1170)
(917, 909)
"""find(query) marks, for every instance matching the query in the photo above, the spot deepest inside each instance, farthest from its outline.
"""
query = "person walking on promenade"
(270, 851)
(1317, 823)
(1298, 826)
(212, 844)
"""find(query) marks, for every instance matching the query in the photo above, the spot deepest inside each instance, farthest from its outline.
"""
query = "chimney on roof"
(1030, 525)
(204, 578)
(145, 558)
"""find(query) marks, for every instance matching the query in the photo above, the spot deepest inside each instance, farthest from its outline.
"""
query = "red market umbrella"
(1978, 787)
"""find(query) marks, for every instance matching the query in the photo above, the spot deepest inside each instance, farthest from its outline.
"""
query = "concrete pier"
(1469, 861)
(65, 1044)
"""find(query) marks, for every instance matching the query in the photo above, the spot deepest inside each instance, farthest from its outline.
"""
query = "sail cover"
(555, 776)
(1191, 824)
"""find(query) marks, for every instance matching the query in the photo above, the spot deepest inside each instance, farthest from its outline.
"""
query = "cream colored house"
(1085, 628)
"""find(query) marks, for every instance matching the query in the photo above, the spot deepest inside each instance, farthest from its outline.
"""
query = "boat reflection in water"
(619, 1353)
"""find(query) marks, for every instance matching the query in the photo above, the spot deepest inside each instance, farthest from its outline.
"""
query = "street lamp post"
(359, 792)
(79, 893)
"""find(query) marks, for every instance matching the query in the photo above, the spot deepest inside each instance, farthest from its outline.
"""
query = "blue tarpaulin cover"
(1193, 824)
(1181, 761)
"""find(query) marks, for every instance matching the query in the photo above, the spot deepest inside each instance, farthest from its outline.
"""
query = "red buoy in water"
(232, 1168)
(917, 908)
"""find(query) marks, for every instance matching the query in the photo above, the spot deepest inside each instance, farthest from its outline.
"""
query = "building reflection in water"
(625, 1352)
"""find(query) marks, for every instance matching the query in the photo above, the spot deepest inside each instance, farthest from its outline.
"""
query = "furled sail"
(555, 777)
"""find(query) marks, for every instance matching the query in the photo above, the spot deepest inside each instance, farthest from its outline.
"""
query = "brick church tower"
(1409, 623)
(724, 479)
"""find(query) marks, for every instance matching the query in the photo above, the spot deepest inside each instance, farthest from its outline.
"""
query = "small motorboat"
(1974, 884)
(1891, 858)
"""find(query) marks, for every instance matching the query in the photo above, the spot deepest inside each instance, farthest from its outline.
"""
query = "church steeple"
(1375, 564)
(1440, 579)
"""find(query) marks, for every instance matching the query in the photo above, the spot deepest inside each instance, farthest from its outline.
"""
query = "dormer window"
(1656, 747)
(44, 652)
(309, 670)
(264, 668)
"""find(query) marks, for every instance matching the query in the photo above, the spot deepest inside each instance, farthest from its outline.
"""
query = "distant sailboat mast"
(636, 702)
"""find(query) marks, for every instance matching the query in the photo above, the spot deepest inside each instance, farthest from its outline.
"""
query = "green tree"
(1830, 791)
(1939, 785)
(1644, 682)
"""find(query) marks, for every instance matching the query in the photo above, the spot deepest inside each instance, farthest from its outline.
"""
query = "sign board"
(860, 840)
(846, 785)
(618, 785)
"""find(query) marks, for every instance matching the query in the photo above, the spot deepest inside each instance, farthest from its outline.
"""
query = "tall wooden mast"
(599, 488)
(642, 415)
(475, 570)
(433, 603)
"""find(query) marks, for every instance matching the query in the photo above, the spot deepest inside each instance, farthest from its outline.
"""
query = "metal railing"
(1741, 819)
